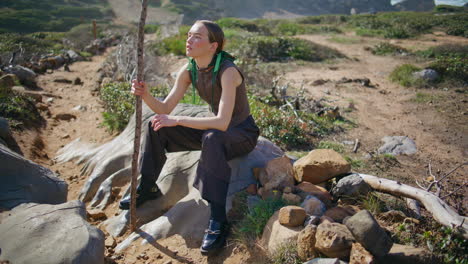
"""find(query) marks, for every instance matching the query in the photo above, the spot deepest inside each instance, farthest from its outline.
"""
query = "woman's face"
(198, 43)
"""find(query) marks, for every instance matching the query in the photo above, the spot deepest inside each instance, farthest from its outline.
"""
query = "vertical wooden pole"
(136, 142)
(94, 29)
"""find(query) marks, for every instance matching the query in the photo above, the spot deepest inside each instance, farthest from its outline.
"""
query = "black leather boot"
(215, 237)
(144, 193)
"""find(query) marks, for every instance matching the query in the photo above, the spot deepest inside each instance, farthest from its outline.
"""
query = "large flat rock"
(52, 234)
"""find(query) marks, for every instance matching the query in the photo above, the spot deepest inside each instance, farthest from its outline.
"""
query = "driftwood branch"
(437, 182)
(441, 211)
(138, 114)
(356, 145)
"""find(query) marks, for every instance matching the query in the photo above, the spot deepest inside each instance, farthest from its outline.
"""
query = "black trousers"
(217, 148)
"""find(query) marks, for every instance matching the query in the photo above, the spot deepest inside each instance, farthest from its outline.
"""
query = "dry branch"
(138, 114)
(441, 211)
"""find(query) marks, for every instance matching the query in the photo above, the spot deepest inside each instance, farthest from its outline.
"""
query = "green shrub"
(355, 163)
(268, 48)
(119, 104)
(254, 222)
(236, 23)
(287, 28)
(449, 9)
(151, 28)
(338, 147)
(286, 253)
(280, 127)
(451, 67)
(396, 32)
(403, 75)
(444, 50)
(386, 48)
(20, 110)
(174, 44)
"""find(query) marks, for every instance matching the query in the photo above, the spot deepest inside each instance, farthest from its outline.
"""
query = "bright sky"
(442, 2)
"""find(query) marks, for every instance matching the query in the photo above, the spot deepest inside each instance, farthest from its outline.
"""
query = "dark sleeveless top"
(204, 86)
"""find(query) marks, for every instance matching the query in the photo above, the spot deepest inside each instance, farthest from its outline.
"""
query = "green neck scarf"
(216, 62)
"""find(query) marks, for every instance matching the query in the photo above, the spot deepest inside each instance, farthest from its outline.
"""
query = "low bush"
(338, 147)
(291, 29)
(174, 44)
(403, 75)
(236, 23)
(286, 253)
(268, 48)
(151, 28)
(386, 48)
(251, 227)
(452, 68)
(119, 104)
(20, 110)
(280, 127)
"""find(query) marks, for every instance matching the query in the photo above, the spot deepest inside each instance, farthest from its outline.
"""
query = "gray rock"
(351, 186)
(7, 138)
(334, 240)
(369, 234)
(427, 75)
(313, 206)
(25, 182)
(325, 261)
(25, 76)
(397, 145)
(73, 55)
(44, 233)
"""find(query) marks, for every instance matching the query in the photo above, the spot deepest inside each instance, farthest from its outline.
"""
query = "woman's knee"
(213, 136)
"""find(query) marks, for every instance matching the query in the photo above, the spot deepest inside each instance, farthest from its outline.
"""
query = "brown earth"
(438, 127)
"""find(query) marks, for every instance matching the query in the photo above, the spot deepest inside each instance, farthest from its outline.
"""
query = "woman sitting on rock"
(229, 133)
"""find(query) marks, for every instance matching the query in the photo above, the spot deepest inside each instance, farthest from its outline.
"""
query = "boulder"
(291, 198)
(403, 254)
(73, 56)
(276, 234)
(44, 233)
(320, 165)
(334, 240)
(25, 76)
(427, 75)
(313, 206)
(359, 255)
(350, 187)
(292, 216)
(277, 174)
(397, 145)
(325, 219)
(369, 234)
(24, 181)
(339, 213)
(306, 243)
(315, 190)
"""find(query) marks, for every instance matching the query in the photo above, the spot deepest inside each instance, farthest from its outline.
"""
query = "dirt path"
(439, 128)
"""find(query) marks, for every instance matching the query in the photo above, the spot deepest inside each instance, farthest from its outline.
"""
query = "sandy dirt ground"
(439, 128)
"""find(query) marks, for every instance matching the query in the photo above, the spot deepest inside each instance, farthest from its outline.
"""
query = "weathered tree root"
(441, 211)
